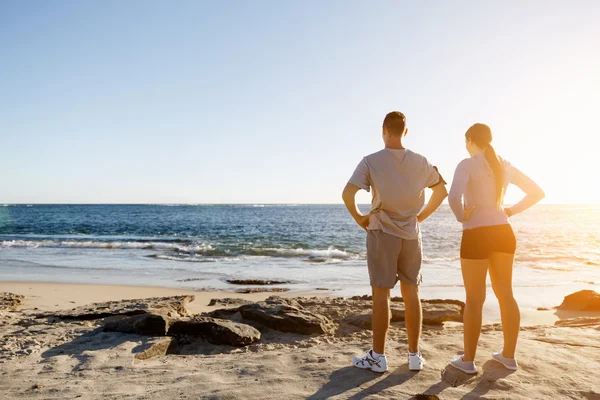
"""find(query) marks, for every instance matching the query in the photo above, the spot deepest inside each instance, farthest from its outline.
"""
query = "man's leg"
(413, 314)
(381, 318)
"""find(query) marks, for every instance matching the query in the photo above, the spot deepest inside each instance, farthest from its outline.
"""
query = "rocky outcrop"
(172, 307)
(143, 324)
(258, 282)
(584, 300)
(284, 315)
(216, 331)
(433, 314)
(228, 302)
(396, 299)
(356, 311)
(10, 301)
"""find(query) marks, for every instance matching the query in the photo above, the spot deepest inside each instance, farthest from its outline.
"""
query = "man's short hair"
(395, 123)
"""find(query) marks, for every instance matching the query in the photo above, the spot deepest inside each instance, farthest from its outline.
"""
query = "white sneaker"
(368, 361)
(509, 363)
(416, 362)
(465, 366)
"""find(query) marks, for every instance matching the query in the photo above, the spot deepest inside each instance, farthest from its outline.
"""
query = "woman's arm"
(533, 193)
(459, 184)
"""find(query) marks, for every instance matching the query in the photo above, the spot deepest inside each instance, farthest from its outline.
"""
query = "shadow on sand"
(451, 377)
(94, 341)
(349, 378)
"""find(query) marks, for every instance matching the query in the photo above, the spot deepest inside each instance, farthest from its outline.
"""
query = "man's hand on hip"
(363, 221)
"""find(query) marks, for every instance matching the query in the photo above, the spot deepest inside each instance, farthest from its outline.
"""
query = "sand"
(76, 360)
(60, 296)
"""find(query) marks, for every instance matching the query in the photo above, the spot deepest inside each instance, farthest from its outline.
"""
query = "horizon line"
(251, 203)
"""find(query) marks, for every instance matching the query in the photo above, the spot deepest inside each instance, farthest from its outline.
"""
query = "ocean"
(314, 246)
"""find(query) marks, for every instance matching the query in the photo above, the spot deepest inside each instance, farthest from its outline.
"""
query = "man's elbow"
(347, 194)
(444, 192)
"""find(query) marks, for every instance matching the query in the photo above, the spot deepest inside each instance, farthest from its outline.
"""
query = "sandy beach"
(46, 357)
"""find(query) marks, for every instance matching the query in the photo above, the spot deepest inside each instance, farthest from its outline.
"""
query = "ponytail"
(498, 169)
(481, 135)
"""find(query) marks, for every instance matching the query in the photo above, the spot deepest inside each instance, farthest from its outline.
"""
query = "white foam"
(90, 244)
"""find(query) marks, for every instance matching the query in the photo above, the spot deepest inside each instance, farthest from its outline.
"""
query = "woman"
(488, 240)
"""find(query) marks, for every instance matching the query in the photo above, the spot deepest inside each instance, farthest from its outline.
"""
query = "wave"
(185, 250)
(313, 255)
(556, 258)
(91, 244)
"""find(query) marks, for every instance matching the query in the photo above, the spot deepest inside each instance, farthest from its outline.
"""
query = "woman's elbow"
(540, 194)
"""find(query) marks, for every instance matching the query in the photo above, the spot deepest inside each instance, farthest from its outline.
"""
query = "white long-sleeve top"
(474, 183)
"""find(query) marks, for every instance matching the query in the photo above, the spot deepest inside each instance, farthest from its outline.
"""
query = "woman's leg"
(501, 267)
(474, 273)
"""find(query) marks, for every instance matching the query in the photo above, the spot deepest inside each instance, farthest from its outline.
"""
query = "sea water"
(313, 246)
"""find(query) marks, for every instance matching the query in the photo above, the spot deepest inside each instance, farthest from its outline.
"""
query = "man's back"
(398, 179)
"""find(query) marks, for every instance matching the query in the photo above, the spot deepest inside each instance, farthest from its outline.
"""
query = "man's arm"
(436, 199)
(348, 195)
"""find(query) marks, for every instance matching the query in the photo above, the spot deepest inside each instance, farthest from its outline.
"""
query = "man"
(398, 178)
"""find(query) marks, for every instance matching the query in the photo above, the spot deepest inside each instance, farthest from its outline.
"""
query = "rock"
(143, 324)
(321, 288)
(369, 298)
(261, 290)
(362, 321)
(459, 303)
(543, 309)
(10, 301)
(161, 348)
(401, 300)
(584, 300)
(433, 314)
(255, 282)
(216, 331)
(173, 307)
(286, 315)
(225, 313)
(438, 313)
(228, 302)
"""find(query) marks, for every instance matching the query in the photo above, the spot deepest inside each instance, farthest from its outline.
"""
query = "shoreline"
(53, 296)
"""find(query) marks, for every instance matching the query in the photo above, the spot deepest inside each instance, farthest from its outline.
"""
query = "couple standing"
(398, 178)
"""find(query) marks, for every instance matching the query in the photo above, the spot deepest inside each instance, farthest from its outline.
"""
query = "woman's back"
(475, 181)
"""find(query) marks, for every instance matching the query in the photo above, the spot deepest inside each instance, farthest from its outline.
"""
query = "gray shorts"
(391, 258)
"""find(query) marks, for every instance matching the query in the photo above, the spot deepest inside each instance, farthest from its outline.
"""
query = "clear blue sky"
(277, 101)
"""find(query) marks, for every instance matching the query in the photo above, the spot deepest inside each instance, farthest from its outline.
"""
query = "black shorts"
(480, 243)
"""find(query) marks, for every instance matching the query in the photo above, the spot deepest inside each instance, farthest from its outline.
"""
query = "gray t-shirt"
(474, 182)
(398, 179)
